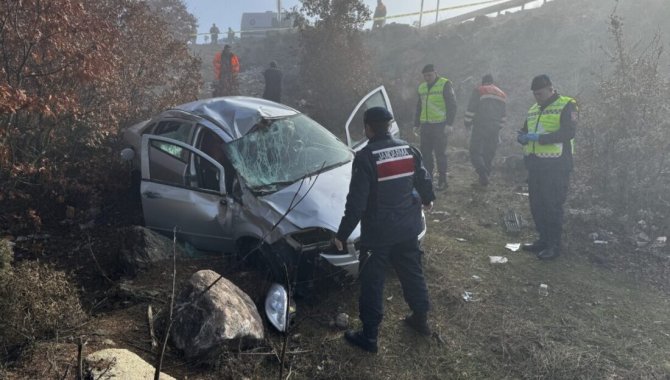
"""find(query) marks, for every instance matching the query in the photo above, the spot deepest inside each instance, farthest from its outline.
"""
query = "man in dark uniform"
(214, 32)
(388, 187)
(380, 15)
(435, 113)
(547, 139)
(273, 77)
(485, 116)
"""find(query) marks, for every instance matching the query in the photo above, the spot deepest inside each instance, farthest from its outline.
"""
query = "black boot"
(483, 180)
(535, 247)
(549, 253)
(442, 183)
(419, 323)
(357, 338)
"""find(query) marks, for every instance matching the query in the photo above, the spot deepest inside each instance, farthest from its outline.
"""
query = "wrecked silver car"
(240, 174)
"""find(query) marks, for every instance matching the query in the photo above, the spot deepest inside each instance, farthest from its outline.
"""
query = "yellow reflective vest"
(544, 121)
(433, 106)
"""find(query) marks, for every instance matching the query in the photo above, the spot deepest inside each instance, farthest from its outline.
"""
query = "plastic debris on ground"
(476, 278)
(468, 296)
(543, 290)
(660, 242)
(461, 240)
(443, 213)
(514, 247)
(497, 259)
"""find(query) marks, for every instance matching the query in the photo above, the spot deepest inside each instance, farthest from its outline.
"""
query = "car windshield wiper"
(270, 188)
(276, 186)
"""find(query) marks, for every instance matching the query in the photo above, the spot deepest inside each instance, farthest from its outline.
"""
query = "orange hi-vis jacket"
(234, 64)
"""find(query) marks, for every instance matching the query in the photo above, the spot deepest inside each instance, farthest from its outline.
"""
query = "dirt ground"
(605, 316)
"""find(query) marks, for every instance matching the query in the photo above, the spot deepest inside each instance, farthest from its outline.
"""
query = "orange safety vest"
(234, 65)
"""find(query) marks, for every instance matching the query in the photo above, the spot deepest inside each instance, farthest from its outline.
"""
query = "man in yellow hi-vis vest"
(435, 112)
(547, 139)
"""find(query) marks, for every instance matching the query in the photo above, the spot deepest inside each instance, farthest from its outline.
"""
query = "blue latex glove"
(522, 138)
(533, 137)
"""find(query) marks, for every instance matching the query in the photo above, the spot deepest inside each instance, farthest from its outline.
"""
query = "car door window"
(175, 129)
(168, 163)
(356, 128)
(213, 145)
(188, 169)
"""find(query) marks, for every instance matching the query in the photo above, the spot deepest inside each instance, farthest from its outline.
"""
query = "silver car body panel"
(214, 220)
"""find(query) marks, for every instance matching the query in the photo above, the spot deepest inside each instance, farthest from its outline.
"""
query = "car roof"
(236, 114)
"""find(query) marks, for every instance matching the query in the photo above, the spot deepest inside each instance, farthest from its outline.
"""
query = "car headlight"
(276, 304)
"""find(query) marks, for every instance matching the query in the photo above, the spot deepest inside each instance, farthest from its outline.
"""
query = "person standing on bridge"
(379, 16)
(547, 138)
(214, 33)
(388, 187)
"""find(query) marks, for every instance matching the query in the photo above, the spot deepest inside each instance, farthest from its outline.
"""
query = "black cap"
(376, 115)
(428, 69)
(487, 79)
(540, 81)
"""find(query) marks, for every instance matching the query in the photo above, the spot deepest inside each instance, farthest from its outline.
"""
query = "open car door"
(185, 188)
(354, 128)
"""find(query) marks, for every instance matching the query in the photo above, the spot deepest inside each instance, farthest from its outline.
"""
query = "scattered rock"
(114, 363)
(342, 321)
(223, 315)
(108, 342)
(142, 247)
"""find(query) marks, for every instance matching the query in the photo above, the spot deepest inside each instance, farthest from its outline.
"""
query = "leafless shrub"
(37, 302)
(623, 144)
(335, 65)
(6, 257)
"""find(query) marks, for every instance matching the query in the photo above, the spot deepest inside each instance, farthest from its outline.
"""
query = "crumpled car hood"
(324, 204)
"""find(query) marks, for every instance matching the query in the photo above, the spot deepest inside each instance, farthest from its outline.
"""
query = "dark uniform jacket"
(486, 108)
(273, 77)
(386, 176)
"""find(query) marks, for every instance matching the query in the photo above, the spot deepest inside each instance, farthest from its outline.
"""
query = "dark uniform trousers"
(405, 257)
(434, 141)
(483, 146)
(548, 189)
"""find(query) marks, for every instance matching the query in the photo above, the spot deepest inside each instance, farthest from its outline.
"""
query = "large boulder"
(114, 363)
(223, 316)
(142, 247)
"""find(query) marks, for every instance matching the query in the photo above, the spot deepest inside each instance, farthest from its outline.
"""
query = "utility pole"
(421, 14)
(279, 13)
(437, 11)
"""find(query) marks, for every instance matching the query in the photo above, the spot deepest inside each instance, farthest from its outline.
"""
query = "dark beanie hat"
(376, 115)
(487, 79)
(540, 81)
(428, 69)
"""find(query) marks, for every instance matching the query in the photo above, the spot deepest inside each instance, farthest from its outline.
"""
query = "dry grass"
(37, 302)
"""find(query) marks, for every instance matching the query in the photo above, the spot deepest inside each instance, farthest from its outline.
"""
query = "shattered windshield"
(279, 152)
